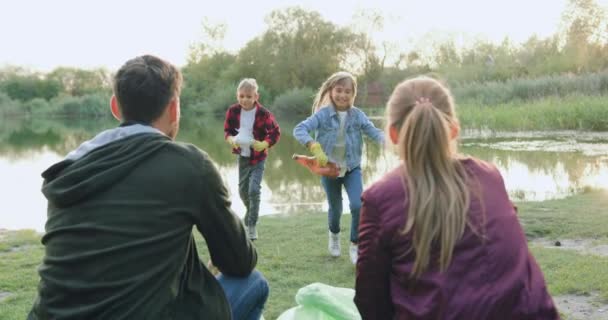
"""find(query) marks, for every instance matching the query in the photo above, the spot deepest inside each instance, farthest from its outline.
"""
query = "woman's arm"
(373, 267)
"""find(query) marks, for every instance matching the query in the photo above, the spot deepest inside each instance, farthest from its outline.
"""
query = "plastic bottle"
(330, 170)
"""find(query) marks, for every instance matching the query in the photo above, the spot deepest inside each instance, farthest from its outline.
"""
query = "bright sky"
(43, 35)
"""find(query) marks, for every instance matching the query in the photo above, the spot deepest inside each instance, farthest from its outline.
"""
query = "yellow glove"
(317, 151)
(230, 140)
(260, 146)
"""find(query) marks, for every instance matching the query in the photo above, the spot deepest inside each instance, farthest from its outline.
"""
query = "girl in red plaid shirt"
(251, 130)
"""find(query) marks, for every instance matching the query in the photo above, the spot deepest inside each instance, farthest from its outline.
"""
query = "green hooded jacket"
(119, 242)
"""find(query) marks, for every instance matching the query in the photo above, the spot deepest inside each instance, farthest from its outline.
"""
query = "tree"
(584, 33)
(299, 49)
(208, 66)
(79, 82)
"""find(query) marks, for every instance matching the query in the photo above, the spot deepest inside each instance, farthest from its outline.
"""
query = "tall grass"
(574, 112)
(523, 89)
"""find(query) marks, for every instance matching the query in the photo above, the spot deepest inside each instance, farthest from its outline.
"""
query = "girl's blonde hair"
(323, 96)
(248, 84)
(422, 110)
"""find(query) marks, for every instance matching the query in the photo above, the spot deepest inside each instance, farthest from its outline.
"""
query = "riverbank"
(573, 112)
(292, 253)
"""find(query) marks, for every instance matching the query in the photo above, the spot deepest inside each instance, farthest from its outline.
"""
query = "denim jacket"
(326, 124)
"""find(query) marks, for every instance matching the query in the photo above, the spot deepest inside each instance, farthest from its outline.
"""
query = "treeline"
(64, 91)
(299, 49)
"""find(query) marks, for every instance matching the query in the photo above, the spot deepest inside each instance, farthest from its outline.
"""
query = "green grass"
(573, 112)
(582, 216)
(550, 113)
(292, 253)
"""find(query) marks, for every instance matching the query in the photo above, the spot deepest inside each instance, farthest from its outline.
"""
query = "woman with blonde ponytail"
(438, 236)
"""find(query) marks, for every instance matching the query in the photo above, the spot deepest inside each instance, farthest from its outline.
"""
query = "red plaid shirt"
(265, 128)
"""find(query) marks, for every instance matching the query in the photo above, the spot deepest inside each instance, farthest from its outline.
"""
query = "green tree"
(79, 82)
(299, 49)
(31, 86)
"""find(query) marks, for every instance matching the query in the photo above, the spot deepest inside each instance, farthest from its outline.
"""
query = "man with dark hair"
(121, 209)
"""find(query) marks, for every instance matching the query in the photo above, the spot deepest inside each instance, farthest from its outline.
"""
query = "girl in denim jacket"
(338, 127)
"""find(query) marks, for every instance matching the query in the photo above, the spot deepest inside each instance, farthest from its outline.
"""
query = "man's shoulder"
(191, 153)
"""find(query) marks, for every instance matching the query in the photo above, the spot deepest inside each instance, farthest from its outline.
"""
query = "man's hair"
(144, 86)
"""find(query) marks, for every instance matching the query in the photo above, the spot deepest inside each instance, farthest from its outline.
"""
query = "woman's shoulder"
(479, 165)
(485, 172)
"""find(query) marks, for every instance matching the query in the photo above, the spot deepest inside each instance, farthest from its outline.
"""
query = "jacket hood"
(101, 162)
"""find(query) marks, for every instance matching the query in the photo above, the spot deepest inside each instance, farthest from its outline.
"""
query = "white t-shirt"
(338, 154)
(245, 136)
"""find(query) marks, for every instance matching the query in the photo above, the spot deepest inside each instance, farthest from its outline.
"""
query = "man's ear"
(394, 134)
(174, 110)
(115, 109)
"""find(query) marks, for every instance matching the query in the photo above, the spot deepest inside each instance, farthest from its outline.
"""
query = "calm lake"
(535, 165)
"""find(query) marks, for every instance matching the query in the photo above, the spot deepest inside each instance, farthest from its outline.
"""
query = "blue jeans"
(250, 188)
(353, 183)
(246, 296)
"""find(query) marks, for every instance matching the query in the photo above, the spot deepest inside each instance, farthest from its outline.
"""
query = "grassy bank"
(292, 252)
(587, 113)
(551, 113)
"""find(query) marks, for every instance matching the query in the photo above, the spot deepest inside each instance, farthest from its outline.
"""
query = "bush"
(526, 89)
(222, 97)
(294, 102)
(96, 104)
(9, 106)
(35, 105)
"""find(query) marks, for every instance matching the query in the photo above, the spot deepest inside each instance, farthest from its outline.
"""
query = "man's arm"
(231, 252)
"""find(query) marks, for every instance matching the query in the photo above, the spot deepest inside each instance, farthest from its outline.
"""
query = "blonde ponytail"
(422, 110)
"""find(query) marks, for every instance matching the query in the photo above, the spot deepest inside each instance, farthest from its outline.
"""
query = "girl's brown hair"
(422, 110)
(323, 96)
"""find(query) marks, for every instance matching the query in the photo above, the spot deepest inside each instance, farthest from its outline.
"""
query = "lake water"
(535, 165)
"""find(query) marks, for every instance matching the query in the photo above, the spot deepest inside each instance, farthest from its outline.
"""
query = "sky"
(42, 35)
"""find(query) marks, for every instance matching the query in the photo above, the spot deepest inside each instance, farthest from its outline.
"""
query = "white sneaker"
(334, 244)
(252, 233)
(353, 252)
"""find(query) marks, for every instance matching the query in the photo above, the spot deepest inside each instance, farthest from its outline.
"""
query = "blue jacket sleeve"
(370, 129)
(302, 130)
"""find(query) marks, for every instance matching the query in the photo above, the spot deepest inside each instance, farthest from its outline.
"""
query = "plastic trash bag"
(318, 301)
(244, 139)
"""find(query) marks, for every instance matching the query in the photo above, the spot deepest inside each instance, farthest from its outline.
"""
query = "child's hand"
(230, 140)
(213, 269)
(317, 151)
(260, 146)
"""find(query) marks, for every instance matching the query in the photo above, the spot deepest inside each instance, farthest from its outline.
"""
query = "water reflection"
(534, 168)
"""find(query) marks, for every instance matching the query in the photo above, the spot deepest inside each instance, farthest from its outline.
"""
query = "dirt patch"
(4, 295)
(584, 246)
(577, 307)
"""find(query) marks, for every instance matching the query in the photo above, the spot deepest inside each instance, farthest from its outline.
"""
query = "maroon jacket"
(491, 278)
(265, 127)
